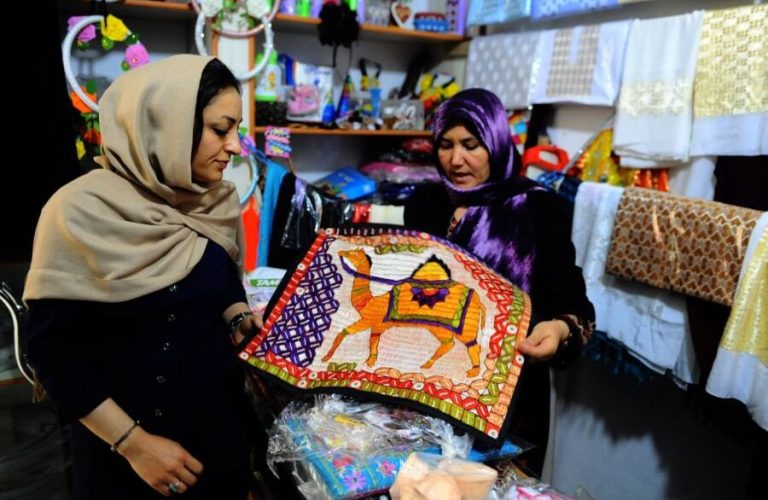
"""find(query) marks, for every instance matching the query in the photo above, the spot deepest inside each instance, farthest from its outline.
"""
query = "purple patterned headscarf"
(496, 226)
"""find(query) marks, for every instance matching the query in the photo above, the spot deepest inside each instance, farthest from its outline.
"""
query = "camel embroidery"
(429, 298)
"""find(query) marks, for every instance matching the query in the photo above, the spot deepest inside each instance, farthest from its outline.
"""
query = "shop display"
(444, 327)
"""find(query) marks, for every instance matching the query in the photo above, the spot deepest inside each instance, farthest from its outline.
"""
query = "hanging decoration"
(242, 15)
(81, 31)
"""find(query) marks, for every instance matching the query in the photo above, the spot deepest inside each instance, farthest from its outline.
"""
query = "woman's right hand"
(161, 462)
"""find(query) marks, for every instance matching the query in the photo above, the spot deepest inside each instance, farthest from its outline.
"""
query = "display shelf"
(283, 22)
(11, 377)
(145, 9)
(341, 132)
(307, 25)
(155, 4)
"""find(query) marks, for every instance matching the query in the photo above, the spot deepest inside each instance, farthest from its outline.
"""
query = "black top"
(557, 288)
(167, 360)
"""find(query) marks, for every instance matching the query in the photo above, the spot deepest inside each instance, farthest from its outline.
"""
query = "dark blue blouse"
(167, 360)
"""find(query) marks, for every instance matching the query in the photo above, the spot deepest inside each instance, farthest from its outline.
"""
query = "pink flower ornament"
(86, 34)
(136, 55)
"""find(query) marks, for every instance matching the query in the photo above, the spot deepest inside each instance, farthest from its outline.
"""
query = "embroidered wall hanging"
(403, 317)
(682, 244)
(582, 64)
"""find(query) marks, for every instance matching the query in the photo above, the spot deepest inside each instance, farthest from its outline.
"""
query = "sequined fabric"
(732, 70)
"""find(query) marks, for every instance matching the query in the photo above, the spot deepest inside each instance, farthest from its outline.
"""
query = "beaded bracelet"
(234, 323)
(122, 438)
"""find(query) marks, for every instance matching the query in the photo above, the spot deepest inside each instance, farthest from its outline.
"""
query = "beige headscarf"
(141, 223)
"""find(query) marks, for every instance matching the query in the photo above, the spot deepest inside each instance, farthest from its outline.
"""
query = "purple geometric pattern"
(297, 335)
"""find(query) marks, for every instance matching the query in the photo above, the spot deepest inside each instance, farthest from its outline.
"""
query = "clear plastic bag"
(426, 476)
(340, 448)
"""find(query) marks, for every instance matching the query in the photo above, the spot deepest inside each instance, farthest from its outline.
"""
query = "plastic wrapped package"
(383, 171)
(310, 210)
(427, 476)
(342, 449)
(304, 217)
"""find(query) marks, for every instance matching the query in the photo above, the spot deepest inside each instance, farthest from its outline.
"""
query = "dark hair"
(216, 77)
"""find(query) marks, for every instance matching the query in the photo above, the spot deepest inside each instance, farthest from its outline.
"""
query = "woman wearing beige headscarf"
(134, 287)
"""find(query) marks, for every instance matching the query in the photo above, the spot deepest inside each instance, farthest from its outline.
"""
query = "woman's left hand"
(247, 326)
(544, 340)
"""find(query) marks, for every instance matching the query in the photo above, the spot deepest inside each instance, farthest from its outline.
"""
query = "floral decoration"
(354, 480)
(112, 30)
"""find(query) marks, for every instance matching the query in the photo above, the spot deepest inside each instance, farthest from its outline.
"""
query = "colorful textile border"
(453, 355)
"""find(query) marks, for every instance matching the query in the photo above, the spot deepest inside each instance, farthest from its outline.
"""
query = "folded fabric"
(695, 179)
(580, 64)
(655, 110)
(396, 315)
(552, 8)
(740, 370)
(496, 11)
(650, 322)
(502, 64)
(731, 91)
(677, 243)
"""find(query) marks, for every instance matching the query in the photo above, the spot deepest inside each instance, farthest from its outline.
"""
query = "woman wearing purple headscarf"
(524, 233)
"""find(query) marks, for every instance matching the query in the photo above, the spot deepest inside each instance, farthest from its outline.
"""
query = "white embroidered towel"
(580, 64)
(650, 322)
(502, 64)
(730, 105)
(654, 115)
(740, 370)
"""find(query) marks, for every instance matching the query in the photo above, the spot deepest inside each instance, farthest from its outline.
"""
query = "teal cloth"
(274, 179)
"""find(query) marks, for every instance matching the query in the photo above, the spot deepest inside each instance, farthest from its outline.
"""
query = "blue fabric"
(494, 11)
(347, 474)
(552, 8)
(274, 179)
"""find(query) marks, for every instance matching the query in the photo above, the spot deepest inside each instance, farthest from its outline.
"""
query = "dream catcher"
(236, 19)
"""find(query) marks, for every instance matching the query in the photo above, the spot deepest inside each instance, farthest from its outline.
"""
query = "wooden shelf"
(306, 25)
(142, 9)
(180, 6)
(341, 132)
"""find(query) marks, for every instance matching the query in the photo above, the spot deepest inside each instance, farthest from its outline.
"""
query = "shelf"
(307, 25)
(153, 4)
(142, 9)
(340, 132)
(11, 377)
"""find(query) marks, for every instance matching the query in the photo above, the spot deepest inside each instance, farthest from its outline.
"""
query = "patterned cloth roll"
(676, 243)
